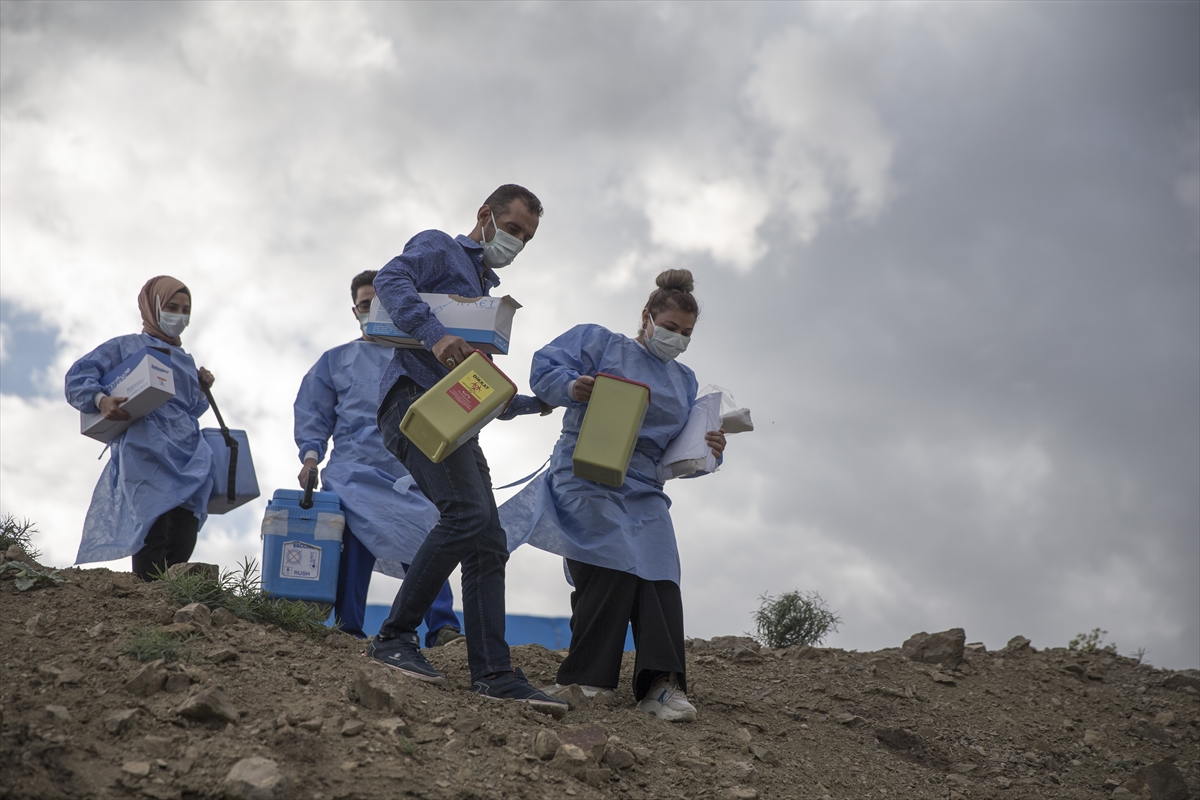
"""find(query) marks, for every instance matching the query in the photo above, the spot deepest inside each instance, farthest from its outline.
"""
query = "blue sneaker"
(513, 686)
(403, 653)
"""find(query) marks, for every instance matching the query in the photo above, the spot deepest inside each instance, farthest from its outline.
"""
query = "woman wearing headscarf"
(153, 494)
(619, 543)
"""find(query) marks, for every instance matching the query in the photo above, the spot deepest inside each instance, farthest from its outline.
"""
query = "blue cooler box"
(245, 482)
(302, 546)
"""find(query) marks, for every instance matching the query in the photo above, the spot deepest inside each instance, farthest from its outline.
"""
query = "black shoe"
(404, 653)
(513, 686)
(445, 635)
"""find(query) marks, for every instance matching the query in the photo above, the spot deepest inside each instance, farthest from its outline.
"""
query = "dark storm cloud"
(1030, 294)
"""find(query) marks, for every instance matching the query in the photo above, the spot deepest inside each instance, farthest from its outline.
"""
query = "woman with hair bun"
(618, 543)
(153, 495)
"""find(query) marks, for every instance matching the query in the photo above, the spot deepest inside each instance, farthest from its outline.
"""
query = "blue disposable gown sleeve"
(396, 286)
(83, 378)
(315, 410)
(565, 359)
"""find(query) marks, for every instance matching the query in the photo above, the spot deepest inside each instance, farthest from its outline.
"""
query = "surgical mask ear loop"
(503, 247)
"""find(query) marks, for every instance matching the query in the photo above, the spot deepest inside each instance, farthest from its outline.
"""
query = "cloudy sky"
(948, 254)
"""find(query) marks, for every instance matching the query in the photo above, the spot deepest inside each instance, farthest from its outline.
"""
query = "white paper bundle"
(689, 453)
(733, 418)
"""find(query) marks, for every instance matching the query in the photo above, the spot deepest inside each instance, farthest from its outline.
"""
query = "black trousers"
(604, 602)
(170, 540)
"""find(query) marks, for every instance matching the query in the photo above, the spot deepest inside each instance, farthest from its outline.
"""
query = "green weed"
(18, 532)
(26, 577)
(1092, 642)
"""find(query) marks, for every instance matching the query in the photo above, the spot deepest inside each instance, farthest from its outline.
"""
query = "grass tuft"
(151, 645)
(240, 592)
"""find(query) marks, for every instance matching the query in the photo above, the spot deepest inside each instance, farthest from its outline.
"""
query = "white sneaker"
(592, 691)
(667, 701)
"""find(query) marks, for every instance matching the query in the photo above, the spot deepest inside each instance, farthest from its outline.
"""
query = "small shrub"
(18, 532)
(1092, 642)
(240, 592)
(151, 645)
(794, 618)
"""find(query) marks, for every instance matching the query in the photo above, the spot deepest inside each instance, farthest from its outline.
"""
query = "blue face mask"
(664, 344)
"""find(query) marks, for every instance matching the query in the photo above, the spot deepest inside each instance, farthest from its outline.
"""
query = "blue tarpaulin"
(553, 633)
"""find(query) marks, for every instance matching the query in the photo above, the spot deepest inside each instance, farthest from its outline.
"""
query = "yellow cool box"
(610, 429)
(457, 407)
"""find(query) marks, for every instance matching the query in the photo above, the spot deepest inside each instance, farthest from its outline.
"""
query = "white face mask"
(171, 324)
(362, 321)
(502, 249)
(664, 344)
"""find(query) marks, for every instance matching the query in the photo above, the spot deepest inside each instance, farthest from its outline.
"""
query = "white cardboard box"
(485, 322)
(146, 378)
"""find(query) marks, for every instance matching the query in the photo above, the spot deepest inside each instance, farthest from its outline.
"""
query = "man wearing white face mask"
(385, 526)
(468, 530)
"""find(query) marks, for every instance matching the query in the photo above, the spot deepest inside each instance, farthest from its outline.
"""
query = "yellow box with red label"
(457, 407)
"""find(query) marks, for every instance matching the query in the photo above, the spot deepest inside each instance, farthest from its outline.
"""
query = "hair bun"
(680, 279)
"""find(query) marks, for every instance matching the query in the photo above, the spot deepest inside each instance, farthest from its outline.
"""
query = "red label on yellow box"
(470, 391)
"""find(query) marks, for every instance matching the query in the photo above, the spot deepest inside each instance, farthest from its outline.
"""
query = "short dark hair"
(499, 200)
(361, 280)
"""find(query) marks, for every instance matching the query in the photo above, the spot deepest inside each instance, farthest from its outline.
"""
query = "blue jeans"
(467, 533)
(354, 575)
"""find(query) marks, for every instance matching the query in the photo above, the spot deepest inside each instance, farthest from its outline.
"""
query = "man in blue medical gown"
(387, 517)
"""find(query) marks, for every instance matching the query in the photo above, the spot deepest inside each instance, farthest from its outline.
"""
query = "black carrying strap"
(231, 443)
(310, 484)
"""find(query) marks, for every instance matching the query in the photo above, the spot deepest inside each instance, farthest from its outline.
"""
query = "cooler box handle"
(310, 484)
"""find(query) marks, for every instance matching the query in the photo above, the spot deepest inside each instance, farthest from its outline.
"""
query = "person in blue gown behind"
(619, 543)
(152, 497)
(387, 517)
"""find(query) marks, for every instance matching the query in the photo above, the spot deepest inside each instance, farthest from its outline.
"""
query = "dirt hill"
(253, 711)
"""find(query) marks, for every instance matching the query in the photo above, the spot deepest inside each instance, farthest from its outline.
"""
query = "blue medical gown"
(384, 507)
(627, 528)
(159, 463)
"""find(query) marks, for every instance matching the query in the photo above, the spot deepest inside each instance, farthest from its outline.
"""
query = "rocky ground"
(253, 711)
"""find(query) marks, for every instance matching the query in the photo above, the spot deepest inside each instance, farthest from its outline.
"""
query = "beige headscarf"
(158, 291)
